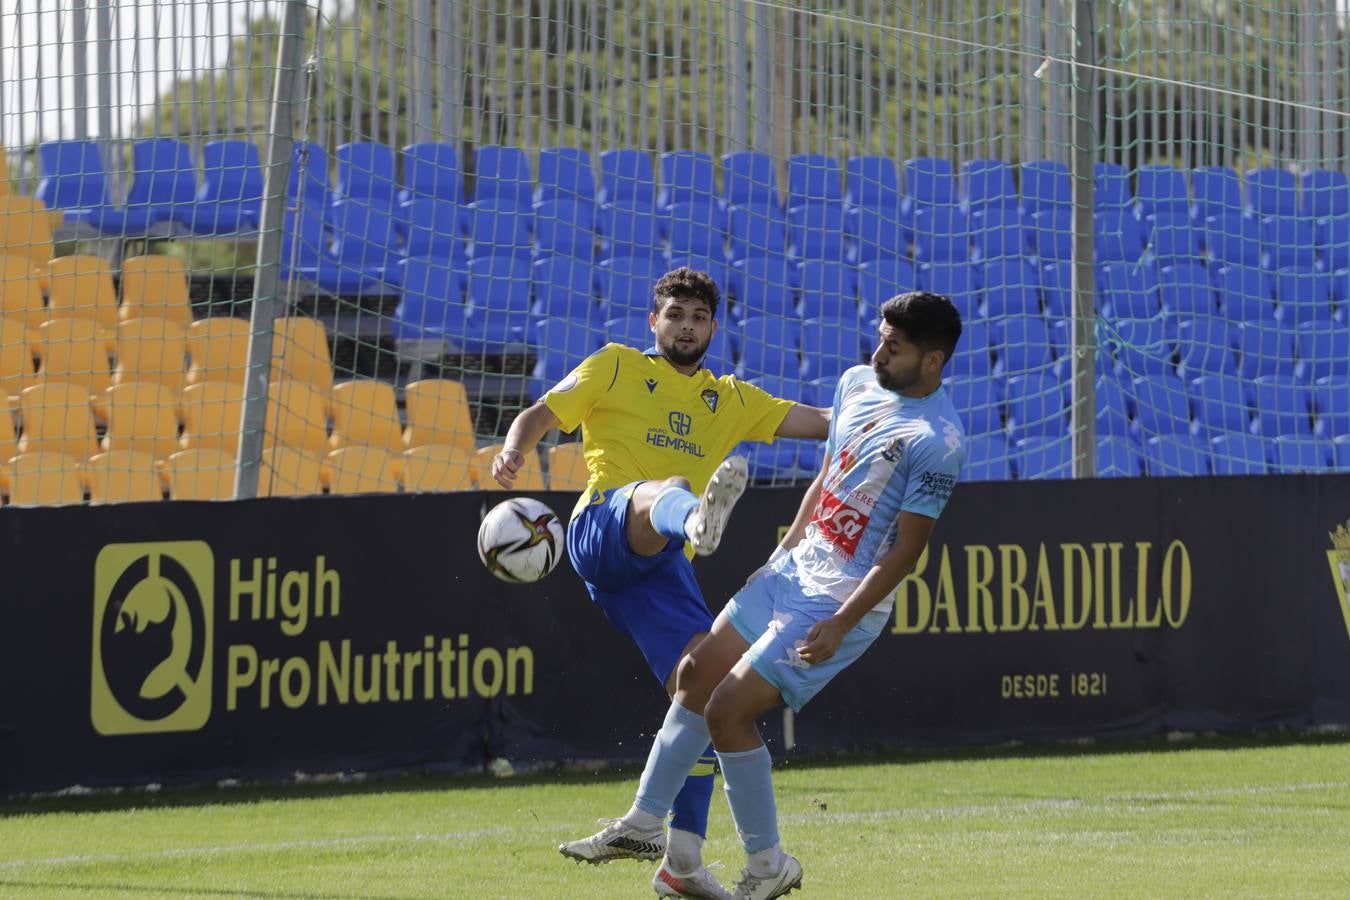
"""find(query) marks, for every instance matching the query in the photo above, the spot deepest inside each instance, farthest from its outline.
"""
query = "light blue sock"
(671, 508)
(691, 803)
(749, 786)
(680, 742)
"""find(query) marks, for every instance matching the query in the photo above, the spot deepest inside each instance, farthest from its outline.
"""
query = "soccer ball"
(520, 540)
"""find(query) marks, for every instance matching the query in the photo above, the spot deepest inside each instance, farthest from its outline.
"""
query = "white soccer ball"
(520, 540)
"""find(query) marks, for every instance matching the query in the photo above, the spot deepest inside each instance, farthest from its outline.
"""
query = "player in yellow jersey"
(656, 427)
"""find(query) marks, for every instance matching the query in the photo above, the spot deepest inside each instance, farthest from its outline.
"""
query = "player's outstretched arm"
(805, 422)
(523, 436)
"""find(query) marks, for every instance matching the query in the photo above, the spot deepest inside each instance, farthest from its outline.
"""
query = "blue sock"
(749, 786)
(692, 802)
(682, 739)
(671, 508)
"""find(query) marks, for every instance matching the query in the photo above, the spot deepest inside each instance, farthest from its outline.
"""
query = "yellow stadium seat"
(529, 478)
(56, 419)
(212, 415)
(365, 412)
(219, 350)
(155, 286)
(142, 416)
(204, 474)
(361, 470)
(72, 350)
(9, 441)
(438, 413)
(151, 350)
(44, 479)
(286, 472)
(16, 359)
(82, 288)
(5, 187)
(122, 476)
(567, 467)
(300, 353)
(21, 292)
(297, 417)
(26, 230)
(436, 467)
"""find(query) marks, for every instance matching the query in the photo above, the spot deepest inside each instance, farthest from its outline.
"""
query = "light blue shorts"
(773, 614)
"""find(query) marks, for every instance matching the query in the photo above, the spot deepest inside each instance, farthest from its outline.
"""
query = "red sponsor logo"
(841, 524)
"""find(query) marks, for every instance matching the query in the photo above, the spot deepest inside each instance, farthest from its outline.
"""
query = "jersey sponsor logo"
(937, 485)
(651, 385)
(680, 423)
(569, 381)
(710, 398)
(840, 523)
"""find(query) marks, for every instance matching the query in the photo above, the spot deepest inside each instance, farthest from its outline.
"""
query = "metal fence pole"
(1083, 406)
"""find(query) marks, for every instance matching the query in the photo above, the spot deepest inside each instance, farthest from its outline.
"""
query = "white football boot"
(789, 877)
(616, 841)
(701, 884)
(706, 524)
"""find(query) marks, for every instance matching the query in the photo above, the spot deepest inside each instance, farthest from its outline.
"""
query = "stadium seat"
(9, 439)
(628, 232)
(21, 300)
(361, 469)
(122, 476)
(497, 228)
(82, 287)
(1282, 405)
(1326, 193)
(1221, 404)
(433, 227)
(697, 229)
(1023, 344)
(365, 412)
(1011, 287)
(498, 309)
(1117, 457)
(1303, 297)
(530, 477)
(564, 287)
(1238, 454)
(686, 177)
(1296, 453)
(1331, 404)
(300, 351)
(814, 178)
(1036, 407)
(941, 234)
(1113, 409)
(987, 458)
(202, 474)
(26, 231)
(432, 306)
(750, 178)
(559, 345)
(973, 352)
(1245, 293)
(1043, 457)
(565, 173)
(502, 176)
(56, 419)
(150, 350)
(1057, 290)
(999, 232)
(1111, 191)
(769, 346)
(308, 185)
(827, 289)
(72, 178)
(154, 286)
(978, 403)
(567, 467)
(1161, 189)
(1052, 234)
(1333, 243)
(218, 347)
(213, 414)
(929, 182)
(432, 170)
(625, 284)
(44, 479)
(365, 172)
(829, 347)
(1234, 238)
(73, 350)
(1341, 453)
(1176, 454)
(632, 330)
(1323, 352)
(764, 285)
(1216, 191)
(288, 472)
(1186, 291)
(437, 413)
(873, 182)
(297, 416)
(883, 233)
(1117, 236)
(1045, 187)
(163, 180)
(756, 231)
(1175, 238)
(1272, 192)
(1289, 240)
(987, 184)
(230, 197)
(816, 231)
(307, 251)
(437, 468)
(1129, 291)
(626, 177)
(1161, 405)
(882, 279)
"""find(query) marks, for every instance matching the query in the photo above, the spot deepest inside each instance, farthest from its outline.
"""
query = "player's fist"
(822, 641)
(505, 465)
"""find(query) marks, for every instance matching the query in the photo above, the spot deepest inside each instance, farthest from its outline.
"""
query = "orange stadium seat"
(297, 416)
(219, 350)
(5, 187)
(437, 467)
(20, 292)
(438, 413)
(72, 350)
(212, 415)
(142, 417)
(26, 230)
(151, 350)
(82, 288)
(529, 478)
(361, 470)
(203, 474)
(365, 412)
(9, 441)
(44, 479)
(122, 476)
(16, 359)
(56, 419)
(300, 352)
(567, 467)
(286, 472)
(155, 286)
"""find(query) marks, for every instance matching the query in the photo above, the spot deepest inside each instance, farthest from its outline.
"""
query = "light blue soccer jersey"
(887, 454)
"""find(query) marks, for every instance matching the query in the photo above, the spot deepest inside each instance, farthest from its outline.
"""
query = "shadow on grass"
(410, 781)
(140, 890)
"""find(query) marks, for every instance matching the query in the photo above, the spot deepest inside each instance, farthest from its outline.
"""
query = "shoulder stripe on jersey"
(736, 386)
(616, 373)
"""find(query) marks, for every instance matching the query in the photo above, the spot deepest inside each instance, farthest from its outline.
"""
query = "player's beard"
(671, 351)
(898, 381)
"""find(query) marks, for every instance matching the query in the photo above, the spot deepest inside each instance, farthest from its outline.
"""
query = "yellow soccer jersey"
(643, 421)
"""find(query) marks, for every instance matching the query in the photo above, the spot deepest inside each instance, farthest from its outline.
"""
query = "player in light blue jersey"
(894, 451)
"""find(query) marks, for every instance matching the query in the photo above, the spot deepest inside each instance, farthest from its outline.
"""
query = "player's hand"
(822, 641)
(505, 465)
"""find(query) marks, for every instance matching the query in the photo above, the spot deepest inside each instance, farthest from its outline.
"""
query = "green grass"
(1214, 818)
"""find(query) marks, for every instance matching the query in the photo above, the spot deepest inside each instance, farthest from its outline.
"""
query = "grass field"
(1221, 817)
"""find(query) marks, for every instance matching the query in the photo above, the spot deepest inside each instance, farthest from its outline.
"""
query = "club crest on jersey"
(840, 524)
(710, 398)
(894, 450)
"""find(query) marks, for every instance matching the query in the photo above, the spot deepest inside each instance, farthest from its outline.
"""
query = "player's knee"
(724, 720)
(676, 481)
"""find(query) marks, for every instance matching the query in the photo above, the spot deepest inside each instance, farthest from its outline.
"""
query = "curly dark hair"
(688, 284)
(928, 320)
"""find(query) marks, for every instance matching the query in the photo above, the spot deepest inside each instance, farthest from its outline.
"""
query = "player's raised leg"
(667, 510)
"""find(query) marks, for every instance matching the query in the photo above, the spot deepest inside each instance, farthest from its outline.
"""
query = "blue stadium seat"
(628, 231)
(1036, 407)
(1326, 192)
(1341, 453)
(1282, 405)
(365, 239)
(1333, 243)
(718, 358)
(432, 305)
(499, 303)
(763, 285)
(1023, 345)
(814, 178)
(929, 182)
(1265, 349)
(1117, 236)
(827, 290)
(633, 330)
(816, 231)
(164, 177)
(1289, 241)
(1057, 290)
(1052, 234)
(72, 177)
(1113, 410)
(1161, 189)
(1175, 239)
(873, 181)
(1238, 454)
(1016, 285)
(564, 288)
(1176, 454)
(878, 233)
(565, 174)
(1303, 296)
(308, 184)
(625, 284)
(356, 264)
(987, 459)
(365, 172)
(1144, 346)
(560, 345)
(1160, 405)
(882, 279)
(941, 234)
(749, 179)
(785, 458)
(1045, 187)
(1217, 191)
(1129, 290)
(756, 231)
(1185, 290)
(1331, 405)
(1272, 192)
(1118, 457)
(1295, 453)
(431, 228)
(626, 177)
(499, 228)
(972, 358)
(502, 176)
(1245, 293)
(432, 170)
(1221, 404)
(1111, 185)
(1205, 346)
(987, 184)
(999, 232)
(956, 282)
(1043, 457)
(978, 403)
(686, 177)
(821, 391)
(697, 228)
(770, 345)
(565, 227)
(1234, 238)
(829, 347)
(230, 197)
